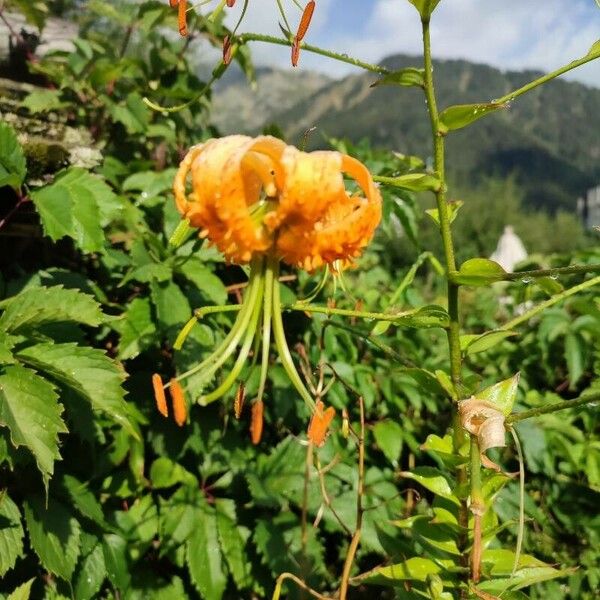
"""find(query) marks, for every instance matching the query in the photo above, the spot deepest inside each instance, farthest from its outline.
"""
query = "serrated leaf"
(7, 343)
(136, 327)
(77, 205)
(132, 113)
(432, 479)
(38, 306)
(88, 372)
(205, 280)
(472, 344)
(12, 160)
(84, 500)
(461, 115)
(91, 574)
(54, 535)
(11, 533)
(40, 101)
(114, 548)
(388, 435)
(165, 473)
(425, 7)
(178, 516)
(233, 540)
(172, 307)
(204, 559)
(407, 77)
(22, 592)
(29, 408)
(502, 394)
(479, 271)
(150, 182)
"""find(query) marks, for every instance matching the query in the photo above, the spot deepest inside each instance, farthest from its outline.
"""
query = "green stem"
(552, 272)
(344, 312)
(551, 408)
(280, 342)
(270, 39)
(550, 302)
(548, 77)
(229, 344)
(243, 355)
(266, 332)
(198, 314)
(453, 313)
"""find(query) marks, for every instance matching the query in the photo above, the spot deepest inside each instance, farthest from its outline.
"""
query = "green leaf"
(29, 408)
(502, 394)
(12, 160)
(425, 7)
(461, 115)
(574, 355)
(414, 182)
(84, 500)
(436, 535)
(472, 344)
(432, 479)
(233, 541)
(132, 113)
(77, 205)
(595, 47)
(407, 77)
(91, 575)
(87, 372)
(114, 548)
(11, 533)
(54, 535)
(427, 316)
(388, 435)
(165, 473)
(204, 558)
(478, 271)
(172, 307)
(35, 12)
(136, 327)
(413, 569)
(151, 183)
(453, 208)
(7, 343)
(22, 592)
(40, 101)
(205, 280)
(38, 306)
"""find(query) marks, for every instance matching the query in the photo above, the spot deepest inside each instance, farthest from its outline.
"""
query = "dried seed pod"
(227, 49)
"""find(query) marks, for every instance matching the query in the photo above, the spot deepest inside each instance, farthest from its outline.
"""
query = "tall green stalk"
(452, 290)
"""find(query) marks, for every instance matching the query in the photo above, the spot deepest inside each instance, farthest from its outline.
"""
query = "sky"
(509, 34)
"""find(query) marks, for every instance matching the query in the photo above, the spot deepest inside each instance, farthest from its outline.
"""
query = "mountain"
(548, 139)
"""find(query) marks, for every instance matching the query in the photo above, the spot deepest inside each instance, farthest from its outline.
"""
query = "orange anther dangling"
(182, 17)
(256, 426)
(159, 395)
(319, 424)
(179, 404)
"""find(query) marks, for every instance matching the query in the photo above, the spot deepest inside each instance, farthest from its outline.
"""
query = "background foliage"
(102, 498)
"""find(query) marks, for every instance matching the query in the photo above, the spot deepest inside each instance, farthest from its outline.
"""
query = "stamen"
(179, 403)
(159, 395)
(256, 425)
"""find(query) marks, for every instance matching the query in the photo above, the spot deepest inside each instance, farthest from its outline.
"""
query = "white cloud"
(510, 34)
